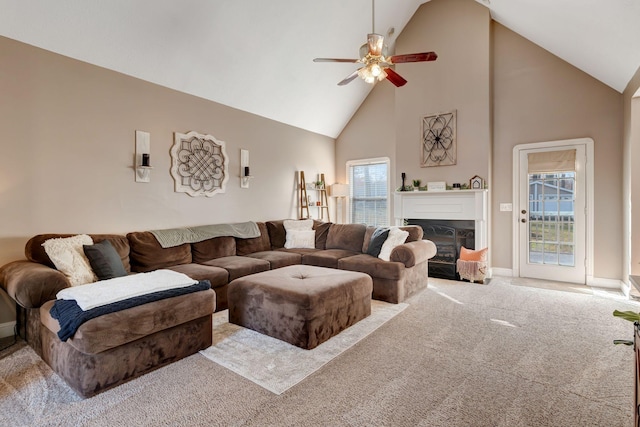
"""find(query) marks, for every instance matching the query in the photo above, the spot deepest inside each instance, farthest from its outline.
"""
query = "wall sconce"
(142, 162)
(245, 174)
(339, 191)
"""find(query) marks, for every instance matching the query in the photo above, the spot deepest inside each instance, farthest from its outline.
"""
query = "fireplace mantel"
(449, 205)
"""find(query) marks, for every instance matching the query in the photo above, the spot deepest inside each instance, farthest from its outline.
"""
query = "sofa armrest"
(31, 284)
(413, 253)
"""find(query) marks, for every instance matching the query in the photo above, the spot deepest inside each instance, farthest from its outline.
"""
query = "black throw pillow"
(377, 240)
(104, 260)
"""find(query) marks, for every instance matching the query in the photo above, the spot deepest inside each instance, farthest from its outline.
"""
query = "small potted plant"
(416, 184)
(319, 185)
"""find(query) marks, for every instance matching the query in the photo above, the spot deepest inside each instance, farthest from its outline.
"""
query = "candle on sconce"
(246, 171)
(145, 159)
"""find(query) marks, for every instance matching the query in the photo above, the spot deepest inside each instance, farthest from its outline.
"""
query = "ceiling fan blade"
(335, 60)
(395, 78)
(414, 57)
(349, 78)
(376, 43)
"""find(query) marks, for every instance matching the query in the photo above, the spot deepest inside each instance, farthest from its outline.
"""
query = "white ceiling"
(256, 55)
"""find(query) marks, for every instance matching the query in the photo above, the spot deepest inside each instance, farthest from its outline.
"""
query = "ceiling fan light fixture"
(376, 63)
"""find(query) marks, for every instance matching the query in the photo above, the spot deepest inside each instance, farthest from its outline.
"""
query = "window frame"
(365, 162)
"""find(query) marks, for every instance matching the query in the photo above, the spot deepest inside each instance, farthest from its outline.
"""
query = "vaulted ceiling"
(256, 55)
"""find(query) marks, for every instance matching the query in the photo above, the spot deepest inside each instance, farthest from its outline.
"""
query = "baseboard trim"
(599, 282)
(506, 272)
(7, 329)
(595, 282)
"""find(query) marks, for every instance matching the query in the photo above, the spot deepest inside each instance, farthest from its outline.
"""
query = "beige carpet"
(460, 354)
(277, 365)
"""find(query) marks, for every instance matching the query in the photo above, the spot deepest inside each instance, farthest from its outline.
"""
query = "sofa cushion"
(105, 261)
(278, 259)
(327, 258)
(239, 266)
(115, 329)
(31, 284)
(413, 253)
(217, 276)
(373, 266)
(277, 233)
(34, 251)
(322, 232)
(349, 237)
(258, 244)
(415, 232)
(209, 249)
(147, 254)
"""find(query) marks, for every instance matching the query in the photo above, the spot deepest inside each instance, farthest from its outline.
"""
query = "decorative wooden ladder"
(324, 201)
(303, 200)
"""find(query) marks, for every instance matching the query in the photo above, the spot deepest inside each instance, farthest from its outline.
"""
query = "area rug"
(276, 365)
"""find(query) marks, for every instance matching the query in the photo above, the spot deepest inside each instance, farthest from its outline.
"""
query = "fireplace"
(449, 236)
(450, 219)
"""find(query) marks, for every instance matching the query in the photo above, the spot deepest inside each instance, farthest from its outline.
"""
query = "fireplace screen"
(448, 236)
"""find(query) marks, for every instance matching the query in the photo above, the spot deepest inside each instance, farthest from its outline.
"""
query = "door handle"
(523, 220)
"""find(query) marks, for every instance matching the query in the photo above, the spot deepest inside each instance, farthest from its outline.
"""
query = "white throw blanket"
(120, 288)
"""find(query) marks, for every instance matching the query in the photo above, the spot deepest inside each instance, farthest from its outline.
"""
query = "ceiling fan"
(373, 55)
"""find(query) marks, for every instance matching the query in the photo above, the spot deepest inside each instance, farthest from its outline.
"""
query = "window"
(369, 191)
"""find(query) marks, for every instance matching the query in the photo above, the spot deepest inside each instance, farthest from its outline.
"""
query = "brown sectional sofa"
(35, 281)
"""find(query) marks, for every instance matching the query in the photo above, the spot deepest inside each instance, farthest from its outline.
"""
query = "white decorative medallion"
(199, 164)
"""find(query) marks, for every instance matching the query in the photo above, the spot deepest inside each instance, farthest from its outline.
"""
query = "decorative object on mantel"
(436, 186)
(416, 184)
(456, 186)
(142, 162)
(439, 140)
(199, 164)
(403, 188)
(476, 183)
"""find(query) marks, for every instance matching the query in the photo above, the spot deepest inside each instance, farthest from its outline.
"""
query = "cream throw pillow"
(396, 237)
(300, 239)
(297, 224)
(300, 234)
(68, 256)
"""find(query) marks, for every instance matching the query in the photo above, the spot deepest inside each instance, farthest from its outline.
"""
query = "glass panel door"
(551, 218)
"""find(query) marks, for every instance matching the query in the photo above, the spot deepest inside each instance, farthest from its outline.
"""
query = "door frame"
(589, 196)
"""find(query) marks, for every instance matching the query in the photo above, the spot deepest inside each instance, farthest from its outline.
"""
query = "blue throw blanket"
(70, 316)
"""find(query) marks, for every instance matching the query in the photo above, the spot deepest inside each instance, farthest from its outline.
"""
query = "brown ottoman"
(300, 304)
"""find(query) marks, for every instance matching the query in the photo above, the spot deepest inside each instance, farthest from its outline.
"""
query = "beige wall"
(631, 230)
(538, 97)
(389, 122)
(370, 133)
(68, 132)
(507, 91)
(459, 32)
